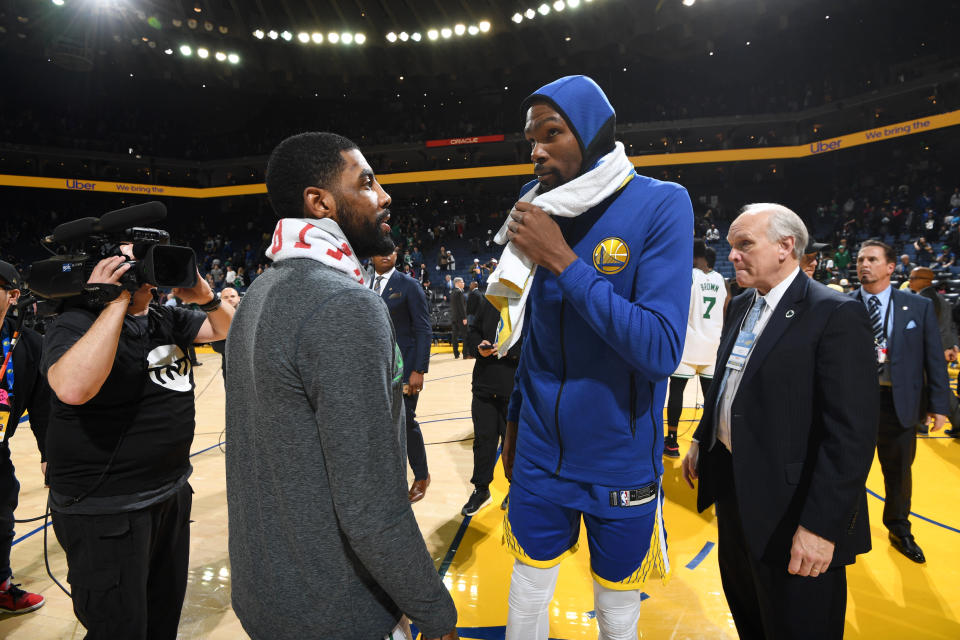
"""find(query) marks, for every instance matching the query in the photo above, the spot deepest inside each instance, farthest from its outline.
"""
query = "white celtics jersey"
(705, 322)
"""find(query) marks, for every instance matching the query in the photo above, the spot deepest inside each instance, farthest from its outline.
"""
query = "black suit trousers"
(766, 601)
(416, 451)
(489, 426)
(896, 449)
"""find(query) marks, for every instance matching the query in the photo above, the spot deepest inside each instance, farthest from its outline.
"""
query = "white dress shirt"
(771, 300)
(386, 278)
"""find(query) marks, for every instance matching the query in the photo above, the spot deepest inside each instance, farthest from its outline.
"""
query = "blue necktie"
(752, 317)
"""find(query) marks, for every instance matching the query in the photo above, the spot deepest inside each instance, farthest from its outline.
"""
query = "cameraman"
(119, 438)
(21, 388)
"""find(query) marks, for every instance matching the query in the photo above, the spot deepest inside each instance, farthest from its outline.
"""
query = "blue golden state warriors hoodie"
(601, 338)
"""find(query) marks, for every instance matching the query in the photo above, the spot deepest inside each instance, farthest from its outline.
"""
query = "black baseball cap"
(10, 275)
(816, 247)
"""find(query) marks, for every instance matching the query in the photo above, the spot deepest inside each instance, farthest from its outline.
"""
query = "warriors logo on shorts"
(611, 256)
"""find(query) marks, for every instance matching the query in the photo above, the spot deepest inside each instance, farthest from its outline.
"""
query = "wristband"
(211, 306)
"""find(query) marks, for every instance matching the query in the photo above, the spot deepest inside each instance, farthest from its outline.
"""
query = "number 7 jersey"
(705, 321)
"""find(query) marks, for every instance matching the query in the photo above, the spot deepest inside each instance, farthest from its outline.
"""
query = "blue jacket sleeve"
(516, 397)
(420, 320)
(649, 330)
(934, 364)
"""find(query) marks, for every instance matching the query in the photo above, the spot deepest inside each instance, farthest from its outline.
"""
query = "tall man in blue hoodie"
(603, 327)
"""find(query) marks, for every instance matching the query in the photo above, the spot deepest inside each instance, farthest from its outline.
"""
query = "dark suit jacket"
(918, 369)
(944, 315)
(411, 320)
(803, 422)
(458, 306)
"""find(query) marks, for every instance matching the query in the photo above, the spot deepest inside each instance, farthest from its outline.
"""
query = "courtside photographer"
(122, 422)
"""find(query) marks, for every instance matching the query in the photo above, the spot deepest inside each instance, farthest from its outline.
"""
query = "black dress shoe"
(908, 547)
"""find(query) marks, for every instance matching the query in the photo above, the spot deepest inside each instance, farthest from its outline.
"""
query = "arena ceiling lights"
(316, 37)
(441, 33)
(545, 9)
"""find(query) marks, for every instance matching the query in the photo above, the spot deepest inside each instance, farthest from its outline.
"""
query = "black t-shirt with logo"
(147, 400)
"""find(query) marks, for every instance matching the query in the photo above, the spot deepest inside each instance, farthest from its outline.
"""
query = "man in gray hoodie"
(323, 542)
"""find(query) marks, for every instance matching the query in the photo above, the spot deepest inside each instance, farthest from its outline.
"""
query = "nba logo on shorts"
(625, 498)
(611, 256)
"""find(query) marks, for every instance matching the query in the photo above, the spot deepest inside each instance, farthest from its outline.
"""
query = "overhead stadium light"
(258, 34)
(233, 58)
(286, 35)
(544, 9)
(404, 36)
(573, 4)
(169, 52)
(473, 30)
(303, 37)
(433, 34)
(203, 53)
(333, 37)
(460, 29)
(517, 18)
(391, 37)
(559, 5)
(273, 35)
(186, 50)
(446, 32)
(531, 14)
(416, 36)
(220, 56)
(484, 25)
(346, 38)
(689, 3)
(59, 3)
(317, 37)
(360, 38)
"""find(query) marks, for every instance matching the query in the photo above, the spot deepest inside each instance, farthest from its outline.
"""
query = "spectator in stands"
(955, 198)
(811, 257)
(416, 257)
(230, 275)
(946, 258)
(447, 285)
(925, 255)
(442, 259)
(906, 267)
(458, 319)
(713, 234)
(841, 257)
(451, 261)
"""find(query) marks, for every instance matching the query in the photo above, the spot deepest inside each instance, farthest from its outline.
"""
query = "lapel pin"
(790, 313)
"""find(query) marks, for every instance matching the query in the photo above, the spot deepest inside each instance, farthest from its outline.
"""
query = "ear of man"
(319, 203)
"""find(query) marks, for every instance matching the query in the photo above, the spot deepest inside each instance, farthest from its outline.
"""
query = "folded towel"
(318, 239)
(509, 284)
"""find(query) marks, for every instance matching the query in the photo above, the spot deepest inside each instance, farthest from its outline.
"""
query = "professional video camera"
(79, 245)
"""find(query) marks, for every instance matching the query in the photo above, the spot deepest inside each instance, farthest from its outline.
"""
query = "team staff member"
(708, 302)
(781, 450)
(21, 388)
(410, 315)
(910, 367)
(601, 336)
(118, 449)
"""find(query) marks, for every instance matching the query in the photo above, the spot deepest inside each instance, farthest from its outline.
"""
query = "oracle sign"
(455, 142)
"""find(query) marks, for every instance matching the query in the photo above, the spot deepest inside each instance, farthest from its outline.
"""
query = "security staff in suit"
(910, 367)
(787, 436)
(458, 318)
(411, 320)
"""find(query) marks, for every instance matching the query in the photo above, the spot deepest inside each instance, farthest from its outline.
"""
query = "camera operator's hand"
(108, 272)
(199, 293)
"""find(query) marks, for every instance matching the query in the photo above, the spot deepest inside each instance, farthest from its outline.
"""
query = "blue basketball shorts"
(623, 551)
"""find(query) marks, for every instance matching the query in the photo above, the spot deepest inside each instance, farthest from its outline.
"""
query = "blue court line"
(452, 551)
(41, 527)
(917, 515)
(707, 548)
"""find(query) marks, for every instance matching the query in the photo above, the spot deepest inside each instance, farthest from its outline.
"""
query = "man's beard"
(364, 236)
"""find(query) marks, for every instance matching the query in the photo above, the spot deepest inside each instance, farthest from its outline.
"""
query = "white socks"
(531, 590)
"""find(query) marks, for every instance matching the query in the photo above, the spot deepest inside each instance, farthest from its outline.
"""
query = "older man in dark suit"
(913, 382)
(786, 439)
(407, 303)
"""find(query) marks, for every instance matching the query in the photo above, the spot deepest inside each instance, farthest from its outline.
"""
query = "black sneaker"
(670, 447)
(476, 502)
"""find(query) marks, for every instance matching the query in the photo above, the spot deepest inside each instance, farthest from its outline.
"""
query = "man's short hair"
(457, 279)
(699, 248)
(887, 249)
(711, 256)
(783, 223)
(309, 159)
